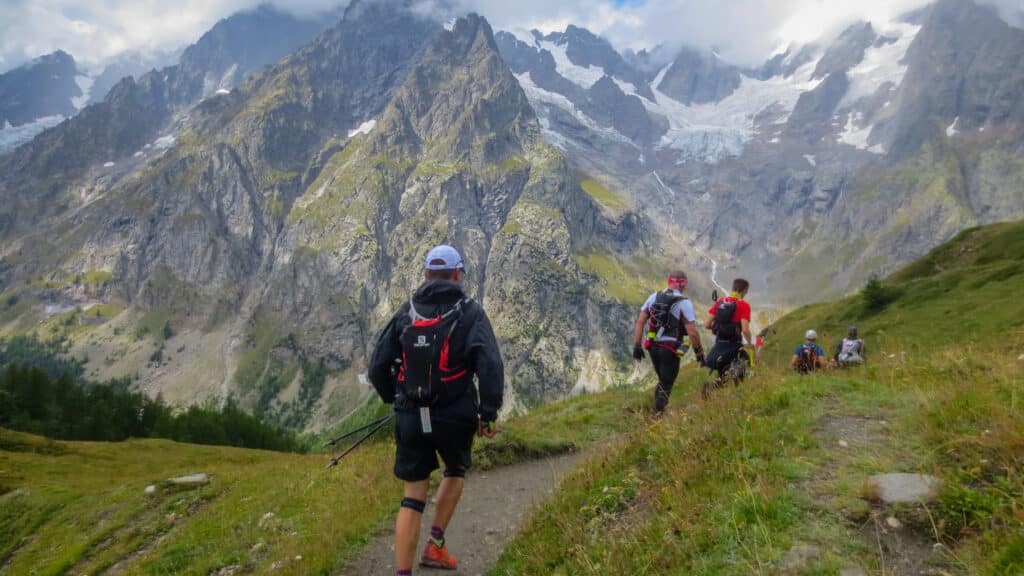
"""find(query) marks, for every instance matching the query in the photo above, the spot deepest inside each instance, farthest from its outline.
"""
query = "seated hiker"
(729, 321)
(851, 351)
(808, 357)
(667, 318)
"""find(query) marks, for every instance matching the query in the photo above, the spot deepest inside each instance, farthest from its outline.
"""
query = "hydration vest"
(808, 361)
(427, 375)
(722, 326)
(663, 323)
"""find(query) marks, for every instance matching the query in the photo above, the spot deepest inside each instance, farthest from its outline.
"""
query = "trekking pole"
(360, 429)
(334, 461)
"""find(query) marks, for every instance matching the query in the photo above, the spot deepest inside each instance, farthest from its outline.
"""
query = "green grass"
(562, 427)
(264, 334)
(629, 280)
(80, 507)
(602, 194)
(97, 277)
(152, 324)
(729, 486)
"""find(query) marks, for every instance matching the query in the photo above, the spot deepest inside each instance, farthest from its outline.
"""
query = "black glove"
(638, 352)
(699, 355)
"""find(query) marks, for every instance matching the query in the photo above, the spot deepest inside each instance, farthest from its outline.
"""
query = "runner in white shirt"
(666, 319)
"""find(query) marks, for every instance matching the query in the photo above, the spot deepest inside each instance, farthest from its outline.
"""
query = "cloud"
(94, 31)
(745, 32)
(742, 31)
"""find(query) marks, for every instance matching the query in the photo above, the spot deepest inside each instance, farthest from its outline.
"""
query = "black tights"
(666, 366)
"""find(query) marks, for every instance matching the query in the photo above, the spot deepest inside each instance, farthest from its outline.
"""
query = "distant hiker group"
(437, 361)
(810, 357)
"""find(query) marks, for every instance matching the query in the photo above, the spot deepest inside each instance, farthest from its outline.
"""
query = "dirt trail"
(900, 550)
(493, 506)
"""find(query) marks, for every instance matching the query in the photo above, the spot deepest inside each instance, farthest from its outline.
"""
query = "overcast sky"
(743, 31)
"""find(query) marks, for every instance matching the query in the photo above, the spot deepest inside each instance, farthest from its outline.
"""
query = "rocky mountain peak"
(44, 87)
(697, 77)
(846, 51)
(963, 70)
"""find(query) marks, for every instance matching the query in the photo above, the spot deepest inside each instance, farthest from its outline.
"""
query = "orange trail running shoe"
(435, 557)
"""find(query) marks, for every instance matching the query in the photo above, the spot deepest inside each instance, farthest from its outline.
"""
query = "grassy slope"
(79, 507)
(730, 486)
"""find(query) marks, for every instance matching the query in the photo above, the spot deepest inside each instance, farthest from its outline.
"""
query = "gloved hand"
(638, 352)
(486, 429)
(699, 355)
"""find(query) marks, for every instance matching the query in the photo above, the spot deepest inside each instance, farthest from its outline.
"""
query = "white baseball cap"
(443, 257)
(811, 335)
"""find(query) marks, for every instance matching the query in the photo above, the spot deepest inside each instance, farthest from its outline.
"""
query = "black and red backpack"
(663, 323)
(427, 374)
(723, 326)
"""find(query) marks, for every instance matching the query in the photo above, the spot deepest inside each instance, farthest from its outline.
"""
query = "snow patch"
(164, 142)
(810, 159)
(450, 24)
(85, 85)
(856, 133)
(553, 138)
(712, 131)
(881, 65)
(523, 35)
(580, 75)
(222, 91)
(138, 154)
(626, 87)
(13, 136)
(364, 128)
(108, 164)
(951, 129)
(537, 94)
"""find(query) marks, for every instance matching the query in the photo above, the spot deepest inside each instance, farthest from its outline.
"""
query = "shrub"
(877, 295)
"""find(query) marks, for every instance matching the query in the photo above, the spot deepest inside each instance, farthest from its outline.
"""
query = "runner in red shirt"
(730, 330)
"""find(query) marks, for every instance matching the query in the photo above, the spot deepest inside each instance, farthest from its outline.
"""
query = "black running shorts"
(416, 453)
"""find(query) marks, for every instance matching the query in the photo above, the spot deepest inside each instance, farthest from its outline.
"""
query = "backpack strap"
(415, 316)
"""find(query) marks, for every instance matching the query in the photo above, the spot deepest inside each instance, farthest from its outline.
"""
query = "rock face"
(818, 169)
(847, 51)
(698, 78)
(602, 98)
(293, 214)
(901, 488)
(235, 48)
(964, 66)
(44, 87)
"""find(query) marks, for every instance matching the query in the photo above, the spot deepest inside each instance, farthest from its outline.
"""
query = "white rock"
(1020, 358)
(298, 557)
(151, 489)
(901, 488)
(893, 523)
(200, 478)
(844, 444)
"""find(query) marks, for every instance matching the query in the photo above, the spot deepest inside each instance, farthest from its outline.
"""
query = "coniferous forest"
(43, 391)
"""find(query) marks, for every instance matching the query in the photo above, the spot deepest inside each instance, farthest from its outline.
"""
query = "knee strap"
(455, 473)
(413, 504)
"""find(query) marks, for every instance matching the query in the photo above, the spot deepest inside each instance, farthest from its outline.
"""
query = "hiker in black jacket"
(425, 362)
